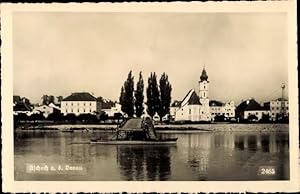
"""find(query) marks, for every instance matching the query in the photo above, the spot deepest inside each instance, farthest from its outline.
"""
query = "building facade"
(218, 108)
(46, 110)
(80, 103)
(279, 107)
(251, 110)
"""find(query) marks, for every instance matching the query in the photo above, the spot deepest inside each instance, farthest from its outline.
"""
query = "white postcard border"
(9, 185)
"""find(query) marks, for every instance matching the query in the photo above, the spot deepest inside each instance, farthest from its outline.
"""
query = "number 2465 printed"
(266, 170)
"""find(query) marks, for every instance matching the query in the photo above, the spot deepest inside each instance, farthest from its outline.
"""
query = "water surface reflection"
(197, 156)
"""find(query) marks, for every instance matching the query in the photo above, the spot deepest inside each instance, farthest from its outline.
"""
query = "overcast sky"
(245, 54)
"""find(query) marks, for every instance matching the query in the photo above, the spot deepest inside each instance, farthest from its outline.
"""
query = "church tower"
(203, 95)
(203, 87)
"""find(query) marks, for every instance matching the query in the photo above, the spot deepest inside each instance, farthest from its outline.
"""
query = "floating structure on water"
(136, 131)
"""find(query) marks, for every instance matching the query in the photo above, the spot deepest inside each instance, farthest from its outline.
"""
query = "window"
(90, 104)
(71, 104)
(256, 113)
(78, 104)
(77, 110)
(204, 86)
(190, 111)
(71, 110)
(204, 94)
(83, 110)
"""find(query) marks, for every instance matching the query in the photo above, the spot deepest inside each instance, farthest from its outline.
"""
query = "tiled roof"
(190, 99)
(194, 99)
(80, 96)
(21, 107)
(249, 105)
(215, 103)
(188, 94)
(17, 99)
(281, 99)
(106, 104)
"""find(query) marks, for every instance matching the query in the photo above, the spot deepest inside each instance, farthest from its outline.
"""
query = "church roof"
(191, 99)
(203, 76)
(80, 96)
(194, 99)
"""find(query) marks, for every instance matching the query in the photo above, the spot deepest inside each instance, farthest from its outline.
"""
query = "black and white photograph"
(152, 96)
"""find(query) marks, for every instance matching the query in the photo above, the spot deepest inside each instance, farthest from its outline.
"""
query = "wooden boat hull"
(136, 142)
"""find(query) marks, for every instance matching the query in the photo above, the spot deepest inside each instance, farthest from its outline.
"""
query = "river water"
(213, 156)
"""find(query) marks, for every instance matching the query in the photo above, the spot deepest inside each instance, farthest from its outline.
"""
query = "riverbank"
(167, 127)
(226, 127)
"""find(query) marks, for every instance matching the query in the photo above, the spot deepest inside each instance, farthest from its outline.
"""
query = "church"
(194, 106)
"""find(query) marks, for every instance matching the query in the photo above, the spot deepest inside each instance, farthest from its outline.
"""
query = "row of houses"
(196, 106)
(273, 110)
(77, 103)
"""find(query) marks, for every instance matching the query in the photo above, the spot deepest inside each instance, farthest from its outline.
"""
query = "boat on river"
(135, 131)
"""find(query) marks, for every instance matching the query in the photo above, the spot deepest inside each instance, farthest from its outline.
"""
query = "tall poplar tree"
(165, 95)
(153, 101)
(139, 96)
(122, 99)
(126, 97)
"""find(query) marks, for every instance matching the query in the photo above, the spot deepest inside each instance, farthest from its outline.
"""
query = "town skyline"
(244, 54)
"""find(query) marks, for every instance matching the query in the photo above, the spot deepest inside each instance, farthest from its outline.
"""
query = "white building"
(174, 108)
(279, 107)
(194, 107)
(111, 111)
(219, 108)
(80, 103)
(251, 108)
(229, 109)
(46, 110)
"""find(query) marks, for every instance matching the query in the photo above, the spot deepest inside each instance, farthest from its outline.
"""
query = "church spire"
(203, 76)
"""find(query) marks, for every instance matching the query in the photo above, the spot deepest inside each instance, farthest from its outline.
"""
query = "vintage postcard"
(150, 97)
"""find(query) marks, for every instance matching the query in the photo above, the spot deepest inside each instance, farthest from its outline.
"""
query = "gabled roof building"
(251, 107)
(218, 108)
(80, 103)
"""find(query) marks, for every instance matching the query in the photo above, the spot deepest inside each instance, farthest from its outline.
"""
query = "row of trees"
(158, 95)
(47, 99)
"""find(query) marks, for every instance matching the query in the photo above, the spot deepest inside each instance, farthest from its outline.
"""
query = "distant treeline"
(69, 118)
